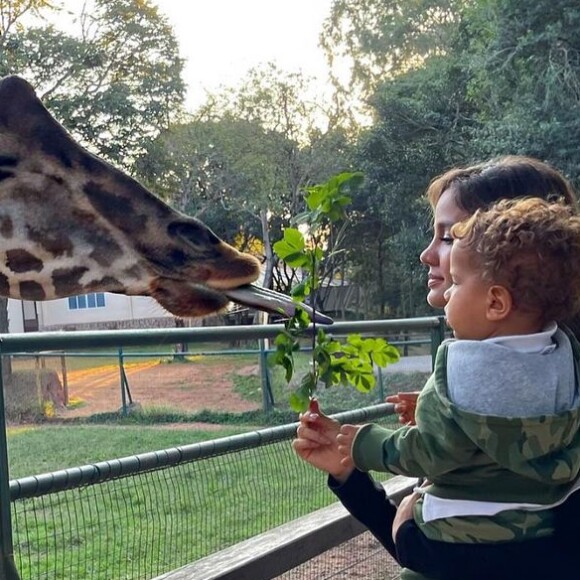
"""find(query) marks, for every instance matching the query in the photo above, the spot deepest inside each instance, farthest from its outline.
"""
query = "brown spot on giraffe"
(30, 290)
(116, 209)
(67, 281)
(110, 282)
(56, 242)
(7, 161)
(20, 261)
(4, 285)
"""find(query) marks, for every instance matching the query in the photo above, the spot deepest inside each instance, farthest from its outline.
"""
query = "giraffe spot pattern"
(133, 272)
(6, 227)
(55, 242)
(106, 284)
(105, 251)
(30, 290)
(54, 141)
(66, 281)
(116, 209)
(57, 179)
(20, 261)
(8, 161)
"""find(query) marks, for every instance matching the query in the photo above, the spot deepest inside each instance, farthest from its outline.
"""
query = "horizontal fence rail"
(36, 341)
(50, 520)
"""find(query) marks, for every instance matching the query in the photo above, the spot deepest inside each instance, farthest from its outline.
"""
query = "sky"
(222, 39)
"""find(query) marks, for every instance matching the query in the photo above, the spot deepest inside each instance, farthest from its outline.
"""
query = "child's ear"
(499, 303)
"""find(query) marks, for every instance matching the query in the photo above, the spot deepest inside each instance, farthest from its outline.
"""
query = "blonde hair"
(532, 247)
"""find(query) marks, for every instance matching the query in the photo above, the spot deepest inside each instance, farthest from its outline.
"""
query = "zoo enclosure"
(34, 496)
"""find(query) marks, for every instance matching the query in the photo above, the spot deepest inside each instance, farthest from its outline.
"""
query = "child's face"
(467, 297)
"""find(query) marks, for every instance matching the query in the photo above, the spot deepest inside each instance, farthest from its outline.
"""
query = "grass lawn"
(142, 526)
(62, 446)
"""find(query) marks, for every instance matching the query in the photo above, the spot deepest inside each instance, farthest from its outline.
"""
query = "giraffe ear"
(23, 114)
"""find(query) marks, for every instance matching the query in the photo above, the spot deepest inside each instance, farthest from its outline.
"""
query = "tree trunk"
(268, 251)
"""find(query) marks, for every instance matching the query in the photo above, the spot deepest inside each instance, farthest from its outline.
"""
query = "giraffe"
(73, 224)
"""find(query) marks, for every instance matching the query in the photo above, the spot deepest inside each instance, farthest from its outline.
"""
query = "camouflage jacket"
(478, 457)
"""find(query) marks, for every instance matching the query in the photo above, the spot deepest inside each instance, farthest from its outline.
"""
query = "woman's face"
(436, 255)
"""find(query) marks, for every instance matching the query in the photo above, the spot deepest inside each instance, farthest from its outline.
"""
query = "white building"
(100, 310)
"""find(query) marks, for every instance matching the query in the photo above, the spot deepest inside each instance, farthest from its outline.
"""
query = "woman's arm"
(367, 501)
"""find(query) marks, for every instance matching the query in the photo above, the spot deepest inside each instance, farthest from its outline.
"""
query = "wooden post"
(64, 378)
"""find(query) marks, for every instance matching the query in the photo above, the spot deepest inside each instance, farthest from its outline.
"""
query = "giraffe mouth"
(272, 301)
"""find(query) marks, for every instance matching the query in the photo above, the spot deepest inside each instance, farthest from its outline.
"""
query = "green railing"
(72, 497)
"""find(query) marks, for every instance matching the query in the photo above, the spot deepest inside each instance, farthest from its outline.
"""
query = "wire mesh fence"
(143, 524)
(144, 515)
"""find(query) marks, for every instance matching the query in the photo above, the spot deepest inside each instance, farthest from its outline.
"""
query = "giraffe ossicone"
(72, 224)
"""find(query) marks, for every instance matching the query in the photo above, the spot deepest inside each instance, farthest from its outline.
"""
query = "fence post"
(437, 337)
(267, 397)
(7, 566)
(381, 385)
(64, 378)
(122, 379)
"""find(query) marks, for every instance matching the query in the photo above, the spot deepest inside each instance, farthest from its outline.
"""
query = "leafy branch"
(305, 247)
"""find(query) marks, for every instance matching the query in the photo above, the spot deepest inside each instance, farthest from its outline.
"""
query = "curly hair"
(532, 247)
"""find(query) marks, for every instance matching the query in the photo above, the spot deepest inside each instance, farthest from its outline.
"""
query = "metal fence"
(137, 517)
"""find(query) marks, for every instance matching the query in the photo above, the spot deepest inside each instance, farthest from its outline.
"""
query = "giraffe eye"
(194, 234)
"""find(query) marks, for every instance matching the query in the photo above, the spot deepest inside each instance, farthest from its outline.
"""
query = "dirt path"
(180, 386)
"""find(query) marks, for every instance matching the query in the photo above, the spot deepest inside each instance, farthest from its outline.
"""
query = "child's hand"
(405, 404)
(345, 439)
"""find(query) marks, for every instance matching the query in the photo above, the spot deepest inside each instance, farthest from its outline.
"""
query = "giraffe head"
(71, 224)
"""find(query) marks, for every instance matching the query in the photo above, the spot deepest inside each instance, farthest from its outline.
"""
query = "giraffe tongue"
(271, 301)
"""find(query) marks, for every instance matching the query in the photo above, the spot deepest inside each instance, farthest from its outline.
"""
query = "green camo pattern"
(476, 457)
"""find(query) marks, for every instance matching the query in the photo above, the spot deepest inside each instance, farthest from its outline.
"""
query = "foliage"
(333, 363)
(113, 82)
(378, 40)
(221, 171)
(525, 79)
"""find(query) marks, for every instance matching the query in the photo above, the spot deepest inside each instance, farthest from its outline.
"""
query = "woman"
(453, 196)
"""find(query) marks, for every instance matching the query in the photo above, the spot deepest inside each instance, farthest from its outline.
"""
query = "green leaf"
(298, 402)
(291, 248)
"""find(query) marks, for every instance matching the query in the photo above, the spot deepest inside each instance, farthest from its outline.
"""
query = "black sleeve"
(367, 501)
(535, 559)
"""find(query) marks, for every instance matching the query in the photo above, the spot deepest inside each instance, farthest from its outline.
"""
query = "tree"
(243, 161)
(114, 83)
(377, 40)
(313, 146)
(218, 170)
(525, 79)
(12, 12)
